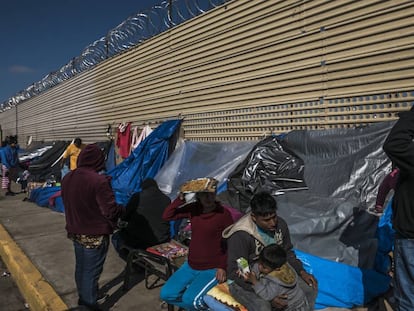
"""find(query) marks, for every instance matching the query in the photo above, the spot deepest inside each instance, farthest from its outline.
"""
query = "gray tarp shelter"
(327, 213)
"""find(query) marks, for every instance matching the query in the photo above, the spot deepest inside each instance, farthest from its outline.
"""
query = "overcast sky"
(41, 36)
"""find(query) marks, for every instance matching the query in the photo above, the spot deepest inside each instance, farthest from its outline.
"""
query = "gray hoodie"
(281, 282)
(244, 240)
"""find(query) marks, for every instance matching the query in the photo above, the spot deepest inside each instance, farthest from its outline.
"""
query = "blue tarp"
(110, 161)
(59, 207)
(385, 234)
(144, 162)
(41, 195)
(341, 285)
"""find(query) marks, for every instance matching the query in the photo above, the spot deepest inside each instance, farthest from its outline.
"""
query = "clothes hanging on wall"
(123, 140)
(136, 140)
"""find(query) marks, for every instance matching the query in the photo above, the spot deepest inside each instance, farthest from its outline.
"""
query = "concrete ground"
(34, 247)
(10, 299)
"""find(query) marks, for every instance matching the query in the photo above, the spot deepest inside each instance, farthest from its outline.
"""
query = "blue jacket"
(9, 156)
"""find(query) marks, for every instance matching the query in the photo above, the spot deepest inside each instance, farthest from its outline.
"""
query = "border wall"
(240, 71)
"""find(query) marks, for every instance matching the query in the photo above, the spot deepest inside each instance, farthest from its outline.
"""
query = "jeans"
(89, 266)
(404, 274)
(118, 244)
(117, 241)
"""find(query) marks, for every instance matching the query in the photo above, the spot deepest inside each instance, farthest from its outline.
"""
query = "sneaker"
(102, 298)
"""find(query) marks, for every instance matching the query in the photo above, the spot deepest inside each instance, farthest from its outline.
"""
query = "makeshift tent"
(338, 172)
(44, 168)
(44, 158)
(145, 161)
(342, 169)
(268, 167)
(41, 159)
(330, 225)
(193, 160)
(35, 150)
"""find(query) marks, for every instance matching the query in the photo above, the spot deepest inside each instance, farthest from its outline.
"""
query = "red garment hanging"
(123, 141)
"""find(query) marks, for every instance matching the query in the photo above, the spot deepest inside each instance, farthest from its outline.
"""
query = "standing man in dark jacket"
(248, 236)
(144, 224)
(91, 215)
(399, 147)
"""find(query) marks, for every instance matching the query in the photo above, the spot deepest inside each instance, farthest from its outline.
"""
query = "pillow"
(219, 298)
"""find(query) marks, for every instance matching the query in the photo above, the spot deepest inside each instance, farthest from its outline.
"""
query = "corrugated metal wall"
(243, 70)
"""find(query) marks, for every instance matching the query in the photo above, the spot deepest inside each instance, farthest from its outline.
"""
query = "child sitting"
(272, 276)
(207, 258)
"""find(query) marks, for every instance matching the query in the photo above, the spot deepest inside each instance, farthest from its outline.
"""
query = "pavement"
(40, 258)
(10, 299)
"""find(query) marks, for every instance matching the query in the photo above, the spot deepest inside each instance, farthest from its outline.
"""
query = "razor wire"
(133, 31)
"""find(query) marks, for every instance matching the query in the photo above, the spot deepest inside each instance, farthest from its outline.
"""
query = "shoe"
(9, 193)
(102, 298)
(88, 307)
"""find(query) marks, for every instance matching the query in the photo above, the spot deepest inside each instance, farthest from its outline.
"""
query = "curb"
(38, 293)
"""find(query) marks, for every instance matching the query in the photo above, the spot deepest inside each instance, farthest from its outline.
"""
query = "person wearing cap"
(207, 258)
(248, 236)
(72, 152)
(91, 215)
